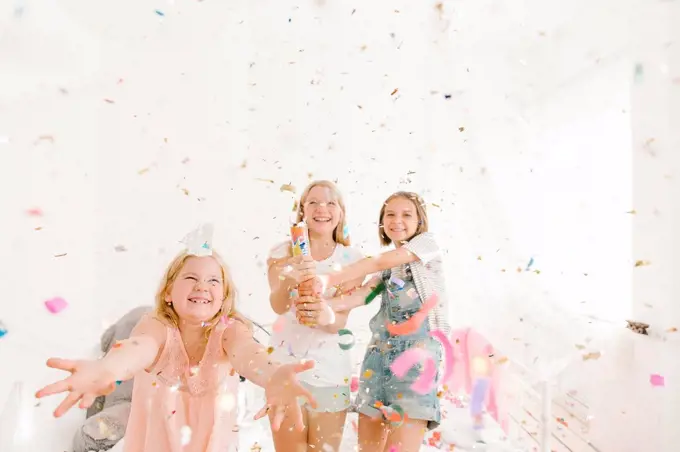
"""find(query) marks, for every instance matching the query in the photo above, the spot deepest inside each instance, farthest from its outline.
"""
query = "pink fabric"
(468, 344)
(173, 396)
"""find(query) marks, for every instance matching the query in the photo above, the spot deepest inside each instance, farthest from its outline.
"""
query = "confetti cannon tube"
(300, 239)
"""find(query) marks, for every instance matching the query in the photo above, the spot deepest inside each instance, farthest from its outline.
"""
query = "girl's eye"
(332, 203)
(191, 277)
(312, 203)
(407, 214)
(389, 215)
(214, 281)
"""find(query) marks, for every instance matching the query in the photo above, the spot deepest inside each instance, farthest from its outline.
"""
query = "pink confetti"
(279, 324)
(354, 385)
(412, 324)
(35, 212)
(56, 305)
(448, 354)
(410, 358)
(657, 380)
(394, 449)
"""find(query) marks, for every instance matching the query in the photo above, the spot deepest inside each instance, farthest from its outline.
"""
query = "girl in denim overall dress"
(390, 412)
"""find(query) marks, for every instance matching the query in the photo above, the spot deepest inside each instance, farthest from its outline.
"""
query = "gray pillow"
(107, 418)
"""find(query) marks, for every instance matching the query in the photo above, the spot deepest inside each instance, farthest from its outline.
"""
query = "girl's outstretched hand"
(282, 394)
(89, 379)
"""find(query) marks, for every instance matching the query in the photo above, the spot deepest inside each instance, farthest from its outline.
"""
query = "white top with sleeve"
(293, 342)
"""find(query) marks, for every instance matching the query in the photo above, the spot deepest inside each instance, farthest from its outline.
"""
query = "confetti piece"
(287, 187)
(34, 212)
(279, 324)
(118, 382)
(56, 305)
(109, 101)
(264, 180)
(478, 395)
(120, 249)
(396, 90)
(143, 171)
(348, 345)
(354, 385)
(642, 263)
(185, 433)
(160, 13)
(398, 282)
(410, 358)
(3, 329)
(375, 292)
(448, 354)
(394, 414)
(531, 262)
(412, 324)
(345, 231)
(657, 380)
(227, 402)
(672, 330)
(592, 355)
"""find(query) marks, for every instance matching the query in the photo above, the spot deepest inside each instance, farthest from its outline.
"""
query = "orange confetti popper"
(300, 239)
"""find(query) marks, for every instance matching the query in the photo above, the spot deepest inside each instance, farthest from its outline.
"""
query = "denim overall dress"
(378, 386)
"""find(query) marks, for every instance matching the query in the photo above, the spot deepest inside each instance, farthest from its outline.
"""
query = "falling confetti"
(592, 355)
(185, 433)
(531, 262)
(345, 231)
(56, 305)
(657, 380)
(346, 345)
(641, 263)
(160, 13)
(3, 329)
(143, 171)
(287, 187)
(120, 249)
(411, 358)
(396, 90)
(227, 402)
(265, 180)
(478, 395)
(375, 292)
(353, 387)
(34, 212)
(412, 324)
(448, 354)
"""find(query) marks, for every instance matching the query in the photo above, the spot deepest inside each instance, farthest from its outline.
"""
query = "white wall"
(543, 167)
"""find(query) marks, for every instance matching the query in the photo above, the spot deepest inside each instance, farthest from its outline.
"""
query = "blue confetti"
(345, 231)
(119, 382)
(3, 330)
(531, 262)
(160, 13)
(205, 246)
(398, 282)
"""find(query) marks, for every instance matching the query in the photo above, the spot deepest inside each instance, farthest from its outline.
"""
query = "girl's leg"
(408, 437)
(325, 428)
(372, 433)
(289, 438)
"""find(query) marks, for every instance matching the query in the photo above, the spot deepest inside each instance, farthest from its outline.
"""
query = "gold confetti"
(632, 212)
(270, 350)
(368, 373)
(672, 330)
(502, 360)
(479, 258)
(579, 347)
(287, 187)
(642, 263)
(186, 192)
(264, 180)
(592, 355)
(461, 129)
(396, 90)
(244, 164)
(143, 171)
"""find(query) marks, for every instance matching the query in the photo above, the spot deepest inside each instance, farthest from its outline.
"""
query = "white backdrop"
(128, 123)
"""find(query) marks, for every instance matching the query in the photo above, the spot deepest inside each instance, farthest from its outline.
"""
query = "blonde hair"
(339, 232)
(166, 312)
(418, 201)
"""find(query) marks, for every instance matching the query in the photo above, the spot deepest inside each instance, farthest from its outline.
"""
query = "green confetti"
(375, 292)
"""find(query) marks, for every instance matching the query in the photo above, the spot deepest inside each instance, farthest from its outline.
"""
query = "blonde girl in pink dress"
(185, 357)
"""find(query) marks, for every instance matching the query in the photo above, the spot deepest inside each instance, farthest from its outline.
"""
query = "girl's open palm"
(89, 379)
(282, 395)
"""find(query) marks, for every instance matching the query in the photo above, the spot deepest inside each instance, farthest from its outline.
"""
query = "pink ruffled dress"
(178, 408)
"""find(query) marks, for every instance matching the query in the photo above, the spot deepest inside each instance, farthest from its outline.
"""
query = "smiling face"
(197, 292)
(322, 210)
(400, 220)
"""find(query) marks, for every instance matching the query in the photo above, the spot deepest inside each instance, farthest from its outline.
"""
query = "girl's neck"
(191, 332)
(321, 246)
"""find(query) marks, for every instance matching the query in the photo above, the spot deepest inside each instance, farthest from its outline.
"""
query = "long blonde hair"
(420, 210)
(339, 232)
(166, 312)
